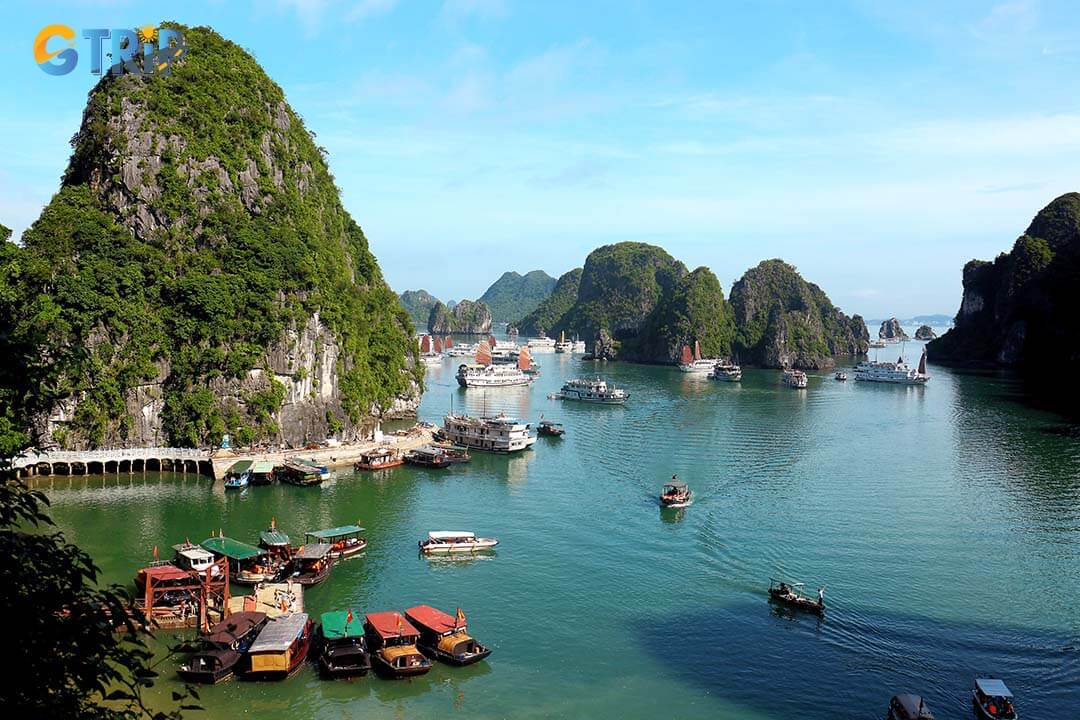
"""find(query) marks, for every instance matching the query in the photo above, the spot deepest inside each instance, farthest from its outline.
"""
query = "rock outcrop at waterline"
(1020, 310)
(891, 330)
(467, 317)
(925, 332)
(196, 275)
(784, 321)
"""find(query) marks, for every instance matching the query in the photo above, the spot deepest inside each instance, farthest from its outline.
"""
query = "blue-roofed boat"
(992, 700)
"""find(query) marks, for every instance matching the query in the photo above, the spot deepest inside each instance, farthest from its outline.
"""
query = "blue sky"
(877, 146)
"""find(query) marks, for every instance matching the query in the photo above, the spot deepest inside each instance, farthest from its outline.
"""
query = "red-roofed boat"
(392, 642)
(446, 637)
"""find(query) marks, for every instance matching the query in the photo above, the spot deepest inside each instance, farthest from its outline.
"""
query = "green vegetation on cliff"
(514, 296)
(418, 304)
(196, 226)
(547, 315)
(467, 317)
(783, 320)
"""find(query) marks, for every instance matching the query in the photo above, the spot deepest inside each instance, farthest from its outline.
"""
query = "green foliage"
(467, 317)
(514, 296)
(418, 304)
(188, 273)
(65, 659)
(548, 315)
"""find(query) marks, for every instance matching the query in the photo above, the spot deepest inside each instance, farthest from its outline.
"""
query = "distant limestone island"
(925, 332)
(633, 301)
(891, 330)
(1019, 310)
(467, 317)
(508, 298)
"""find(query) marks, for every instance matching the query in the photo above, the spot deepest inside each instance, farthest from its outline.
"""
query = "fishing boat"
(593, 391)
(792, 595)
(444, 637)
(311, 564)
(262, 472)
(550, 428)
(280, 649)
(726, 372)
(841, 376)
(248, 565)
(428, 456)
(295, 472)
(690, 361)
(381, 458)
(898, 373)
(456, 454)
(992, 700)
(909, 707)
(345, 541)
(499, 434)
(342, 648)
(238, 475)
(794, 378)
(392, 642)
(444, 542)
(564, 345)
(676, 494)
(221, 650)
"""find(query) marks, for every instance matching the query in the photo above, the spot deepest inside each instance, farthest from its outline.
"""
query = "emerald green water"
(945, 521)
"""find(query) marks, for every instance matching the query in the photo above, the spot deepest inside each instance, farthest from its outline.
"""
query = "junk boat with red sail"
(793, 595)
(280, 649)
(342, 648)
(222, 648)
(486, 374)
(444, 637)
(392, 642)
(690, 361)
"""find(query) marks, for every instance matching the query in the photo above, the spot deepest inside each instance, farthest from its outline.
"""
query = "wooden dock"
(274, 599)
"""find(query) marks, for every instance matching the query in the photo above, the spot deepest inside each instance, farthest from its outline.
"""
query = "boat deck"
(268, 598)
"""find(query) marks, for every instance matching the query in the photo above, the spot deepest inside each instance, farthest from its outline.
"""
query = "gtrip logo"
(146, 51)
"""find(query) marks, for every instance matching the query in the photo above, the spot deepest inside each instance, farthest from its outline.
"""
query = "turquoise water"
(945, 522)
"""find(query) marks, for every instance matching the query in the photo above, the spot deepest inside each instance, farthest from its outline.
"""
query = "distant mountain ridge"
(514, 296)
(418, 304)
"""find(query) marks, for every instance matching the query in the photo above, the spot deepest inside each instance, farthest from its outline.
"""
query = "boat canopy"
(195, 553)
(280, 633)
(234, 627)
(273, 537)
(992, 687)
(393, 653)
(313, 551)
(166, 573)
(336, 625)
(335, 532)
(450, 535)
(262, 467)
(431, 618)
(232, 549)
(240, 466)
(387, 625)
(457, 643)
(679, 485)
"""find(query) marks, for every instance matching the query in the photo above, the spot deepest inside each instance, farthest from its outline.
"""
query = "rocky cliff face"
(418, 303)
(196, 275)
(925, 332)
(891, 330)
(1019, 310)
(783, 321)
(513, 296)
(467, 318)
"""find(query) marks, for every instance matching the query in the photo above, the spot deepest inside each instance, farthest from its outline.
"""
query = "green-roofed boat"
(345, 541)
(262, 473)
(275, 543)
(342, 648)
(248, 565)
(239, 475)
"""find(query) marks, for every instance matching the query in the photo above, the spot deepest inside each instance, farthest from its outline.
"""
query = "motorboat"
(841, 376)
(726, 372)
(676, 494)
(428, 456)
(342, 646)
(794, 378)
(391, 640)
(445, 637)
(442, 542)
(238, 475)
(909, 707)
(281, 647)
(593, 391)
(345, 540)
(381, 458)
(992, 700)
(792, 595)
(221, 649)
(311, 563)
(550, 428)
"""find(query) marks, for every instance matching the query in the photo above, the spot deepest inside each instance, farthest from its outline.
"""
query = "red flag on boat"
(491, 341)
(348, 618)
(400, 626)
(459, 619)
(687, 357)
(425, 344)
(273, 523)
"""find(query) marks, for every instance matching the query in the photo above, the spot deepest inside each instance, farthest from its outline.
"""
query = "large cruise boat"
(564, 345)
(490, 376)
(690, 361)
(579, 346)
(501, 434)
(794, 378)
(595, 390)
(898, 372)
(461, 350)
(542, 344)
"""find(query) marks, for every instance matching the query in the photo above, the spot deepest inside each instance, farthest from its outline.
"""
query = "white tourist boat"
(579, 346)
(471, 375)
(593, 390)
(877, 343)
(690, 361)
(794, 378)
(564, 345)
(542, 344)
(898, 373)
(726, 372)
(462, 350)
(430, 351)
(445, 542)
(499, 434)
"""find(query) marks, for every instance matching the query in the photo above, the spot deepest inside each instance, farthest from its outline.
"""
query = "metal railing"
(88, 456)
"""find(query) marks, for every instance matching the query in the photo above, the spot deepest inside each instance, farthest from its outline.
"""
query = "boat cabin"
(993, 700)
(276, 544)
(909, 707)
(239, 474)
(281, 647)
(192, 557)
(379, 459)
(222, 648)
(455, 541)
(247, 564)
(343, 651)
(428, 456)
(262, 472)
(392, 640)
(446, 637)
(344, 541)
(311, 564)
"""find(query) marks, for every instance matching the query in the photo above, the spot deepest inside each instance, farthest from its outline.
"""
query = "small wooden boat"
(276, 544)
(842, 377)
(792, 595)
(429, 457)
(342, 649)
(321, 468)
(239, 475)
(992, 700)
(222, 648)
(345, 541)
(444, 637)
(551, 429)
(456, 454)
(311, 564)
(676, 494)
(298, 473)
(909, 707)
(444, 542)
(280, 649)
(392, 642)
(248, 565)
(380, 458)
(262, 472)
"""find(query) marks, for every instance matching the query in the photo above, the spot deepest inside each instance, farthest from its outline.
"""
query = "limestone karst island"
(491, 359)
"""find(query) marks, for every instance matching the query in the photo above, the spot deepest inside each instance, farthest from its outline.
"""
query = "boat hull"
(385, 669)
(798, 603)
(458, 548)
(206, 677)
(455, 660)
